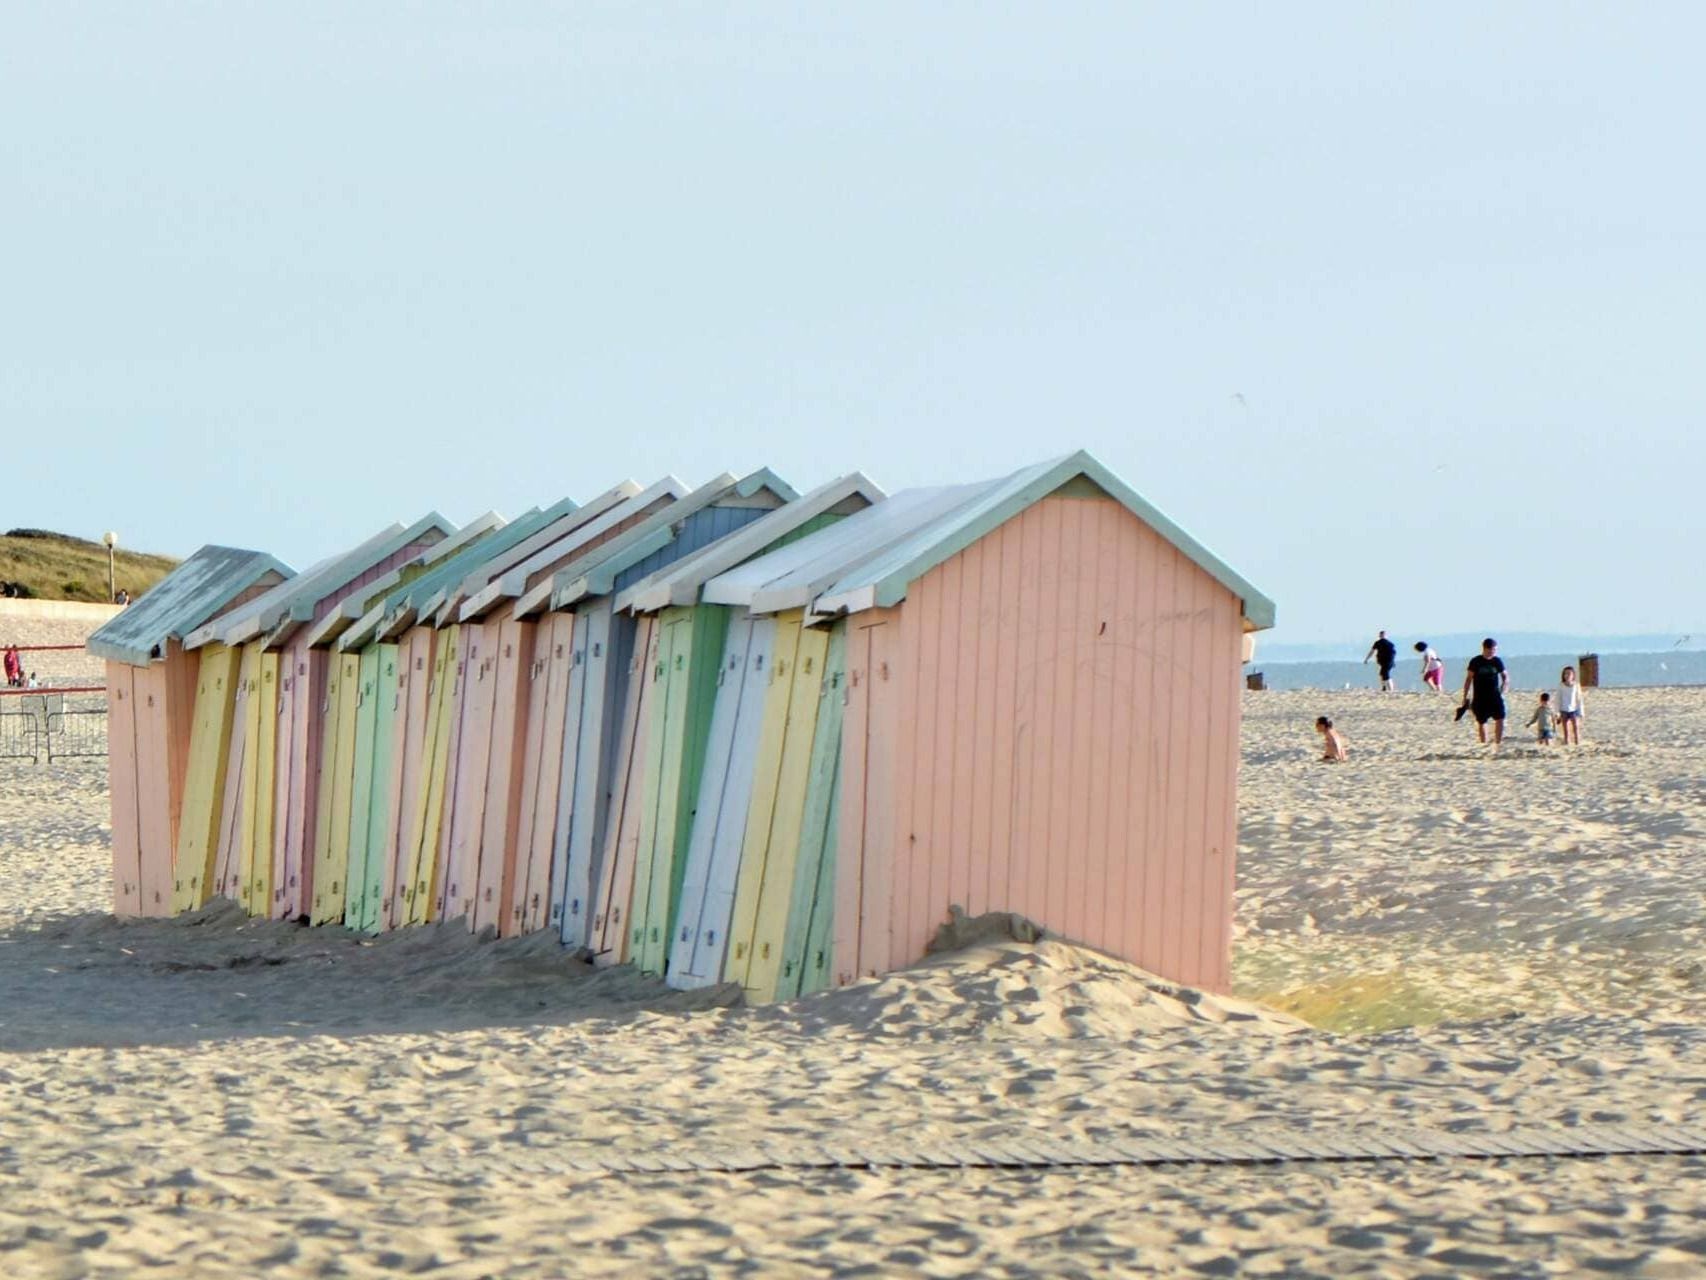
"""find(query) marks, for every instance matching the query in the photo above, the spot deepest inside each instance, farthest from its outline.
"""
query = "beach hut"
(698, 658)
(758, 807)
(293, 814)
(498, 650)
(1042, 718)
(599, 757)
(376, 677)
(151, 687)
(407, 848)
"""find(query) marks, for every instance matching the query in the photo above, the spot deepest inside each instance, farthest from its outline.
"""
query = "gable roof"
(516, 579)
(792, 576)
(442, 605)
(399, 610)
(882, 580)
(595, 574)
(680, 583)
(358, 603)
(292, 603)
(186, 598)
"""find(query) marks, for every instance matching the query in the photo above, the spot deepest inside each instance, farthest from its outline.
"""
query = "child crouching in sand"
(1542, 720)
(1332, 745)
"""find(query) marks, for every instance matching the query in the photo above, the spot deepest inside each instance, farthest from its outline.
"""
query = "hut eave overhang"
(199, 589)
(884, 579)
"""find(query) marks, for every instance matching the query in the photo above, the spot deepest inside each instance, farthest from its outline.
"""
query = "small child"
(1570, 707)
(1542, 719)
(1333, 746)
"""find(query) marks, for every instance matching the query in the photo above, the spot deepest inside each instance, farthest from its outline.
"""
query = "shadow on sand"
(92, 980)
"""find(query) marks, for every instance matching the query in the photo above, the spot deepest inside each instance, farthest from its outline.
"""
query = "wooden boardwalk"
(1030, 1150)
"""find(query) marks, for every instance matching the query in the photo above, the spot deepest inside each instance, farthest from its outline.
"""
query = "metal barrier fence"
(43, 723)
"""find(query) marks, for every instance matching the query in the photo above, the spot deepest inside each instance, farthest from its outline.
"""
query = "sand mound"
(1003, 989)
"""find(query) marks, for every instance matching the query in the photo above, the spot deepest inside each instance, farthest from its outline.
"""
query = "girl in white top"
(1570, 707)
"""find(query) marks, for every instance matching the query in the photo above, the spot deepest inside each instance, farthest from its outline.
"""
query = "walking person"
(1484, 691)
(1386, 655)
(1569, 708)
(1433, 670)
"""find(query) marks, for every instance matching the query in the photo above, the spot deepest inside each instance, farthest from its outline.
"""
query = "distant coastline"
(1461, 644)
(1670, 667)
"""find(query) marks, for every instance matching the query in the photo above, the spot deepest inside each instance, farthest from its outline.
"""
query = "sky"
(1397, 309)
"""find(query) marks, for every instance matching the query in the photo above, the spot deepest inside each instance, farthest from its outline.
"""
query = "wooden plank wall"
(122, 763)
(805, 964)
(690, 659)
(770, 852)
(542, 763)
(1068, 746)
(414, 739)
(302, 711)
(495, 894)
(725, 789)
(204, 794)
(613, 877)
(264, 717)
(604, 645)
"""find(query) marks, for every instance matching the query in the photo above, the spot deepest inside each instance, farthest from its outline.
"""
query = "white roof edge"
(681, 583)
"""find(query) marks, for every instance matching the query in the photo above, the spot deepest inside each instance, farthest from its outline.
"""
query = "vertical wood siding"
(714, 848)
(689, 665)
(593, 706)
(469, 761)
(417, 664)
(264, 719)
(302, 710)
(1102, 803)
(614, 877)
(864, 854)
(542, 764)
(203, 805)
(495, 899)
(122, 787)
(811, 909)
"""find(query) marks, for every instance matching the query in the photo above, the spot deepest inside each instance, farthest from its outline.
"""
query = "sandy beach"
(1432, 935)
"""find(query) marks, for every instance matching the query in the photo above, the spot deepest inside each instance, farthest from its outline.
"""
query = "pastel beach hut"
(278, 816)
(1042, 717)
(499, 648)
(453, 803)
(408, 847)
(759, 839)
(151, 696)
(594, 802)
(696, 660)
(365, 758)
(763, 726)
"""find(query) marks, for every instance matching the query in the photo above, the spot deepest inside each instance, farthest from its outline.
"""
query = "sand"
(1484, 941)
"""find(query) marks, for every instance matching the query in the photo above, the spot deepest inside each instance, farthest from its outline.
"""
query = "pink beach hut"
(151, 688)
(1042, 717)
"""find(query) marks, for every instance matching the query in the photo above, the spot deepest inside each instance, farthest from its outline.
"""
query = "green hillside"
(54, 566)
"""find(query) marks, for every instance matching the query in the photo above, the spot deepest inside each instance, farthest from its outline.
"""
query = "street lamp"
(111, 539)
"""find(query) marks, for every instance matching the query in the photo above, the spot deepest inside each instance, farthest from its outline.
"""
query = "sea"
(1527, 671)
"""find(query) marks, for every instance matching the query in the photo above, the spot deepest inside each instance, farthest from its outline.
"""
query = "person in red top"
(14, 667)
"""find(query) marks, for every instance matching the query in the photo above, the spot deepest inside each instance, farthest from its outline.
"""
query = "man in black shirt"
(1484, 690)
(1386, 653)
